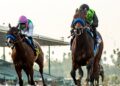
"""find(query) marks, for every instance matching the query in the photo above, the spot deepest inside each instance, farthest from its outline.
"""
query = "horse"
(100, 72)
(83, 53)
(23, 55)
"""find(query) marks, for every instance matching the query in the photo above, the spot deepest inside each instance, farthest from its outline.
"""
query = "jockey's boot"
(95, 36)
(32, 45)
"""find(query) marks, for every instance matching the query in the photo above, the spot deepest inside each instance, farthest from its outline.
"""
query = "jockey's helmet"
(84, 7)
(23, 19)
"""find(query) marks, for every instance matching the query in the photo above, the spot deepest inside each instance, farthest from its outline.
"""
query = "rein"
(18, 41)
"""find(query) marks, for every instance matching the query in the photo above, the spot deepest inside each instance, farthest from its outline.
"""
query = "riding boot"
(32, 45)
(95, 36)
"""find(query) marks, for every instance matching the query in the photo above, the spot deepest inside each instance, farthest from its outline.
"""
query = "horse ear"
(17, 26)
(9, 25)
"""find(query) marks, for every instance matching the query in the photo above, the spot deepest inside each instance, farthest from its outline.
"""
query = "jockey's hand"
(24, 35)
(88, 25)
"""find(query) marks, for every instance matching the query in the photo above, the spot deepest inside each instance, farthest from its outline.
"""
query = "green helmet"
(89, 16)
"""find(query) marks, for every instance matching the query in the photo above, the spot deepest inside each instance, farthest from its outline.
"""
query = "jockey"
(26, 28)
(91, 19)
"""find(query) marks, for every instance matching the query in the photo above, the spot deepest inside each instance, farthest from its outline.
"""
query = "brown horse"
(83, 53)
(23, 56)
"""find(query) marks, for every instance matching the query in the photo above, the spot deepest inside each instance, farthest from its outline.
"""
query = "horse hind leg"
(19, 70)
(97, 82)
(38, 61)
(41, 72)
(102, 76)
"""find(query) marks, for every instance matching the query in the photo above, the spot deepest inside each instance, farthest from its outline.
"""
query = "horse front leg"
(97, 84)
(18, 69)
(81, 75)
(73, 74)
(89, 78)
(102, 75)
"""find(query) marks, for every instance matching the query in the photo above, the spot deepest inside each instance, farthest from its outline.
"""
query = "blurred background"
(52, 20)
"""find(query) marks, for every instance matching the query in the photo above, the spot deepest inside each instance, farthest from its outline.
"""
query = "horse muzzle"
(8, 42)
(78, 31)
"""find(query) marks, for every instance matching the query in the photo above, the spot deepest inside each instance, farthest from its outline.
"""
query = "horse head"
(13, 35)
(79, 27)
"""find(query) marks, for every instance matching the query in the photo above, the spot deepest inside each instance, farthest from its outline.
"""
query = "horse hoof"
(44, 85)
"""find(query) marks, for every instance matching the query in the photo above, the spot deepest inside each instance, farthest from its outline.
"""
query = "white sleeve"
(30, 31)
(23, 32)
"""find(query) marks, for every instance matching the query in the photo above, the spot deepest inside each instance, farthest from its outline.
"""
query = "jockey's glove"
(24, 35)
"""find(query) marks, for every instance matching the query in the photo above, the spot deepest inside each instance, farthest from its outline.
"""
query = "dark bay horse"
(83, 54)
(23, 56)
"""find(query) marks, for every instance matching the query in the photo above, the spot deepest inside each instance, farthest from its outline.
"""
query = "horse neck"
(82, 41)
(19, 47)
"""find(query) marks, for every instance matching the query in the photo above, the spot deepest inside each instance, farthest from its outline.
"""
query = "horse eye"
(15, 32)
